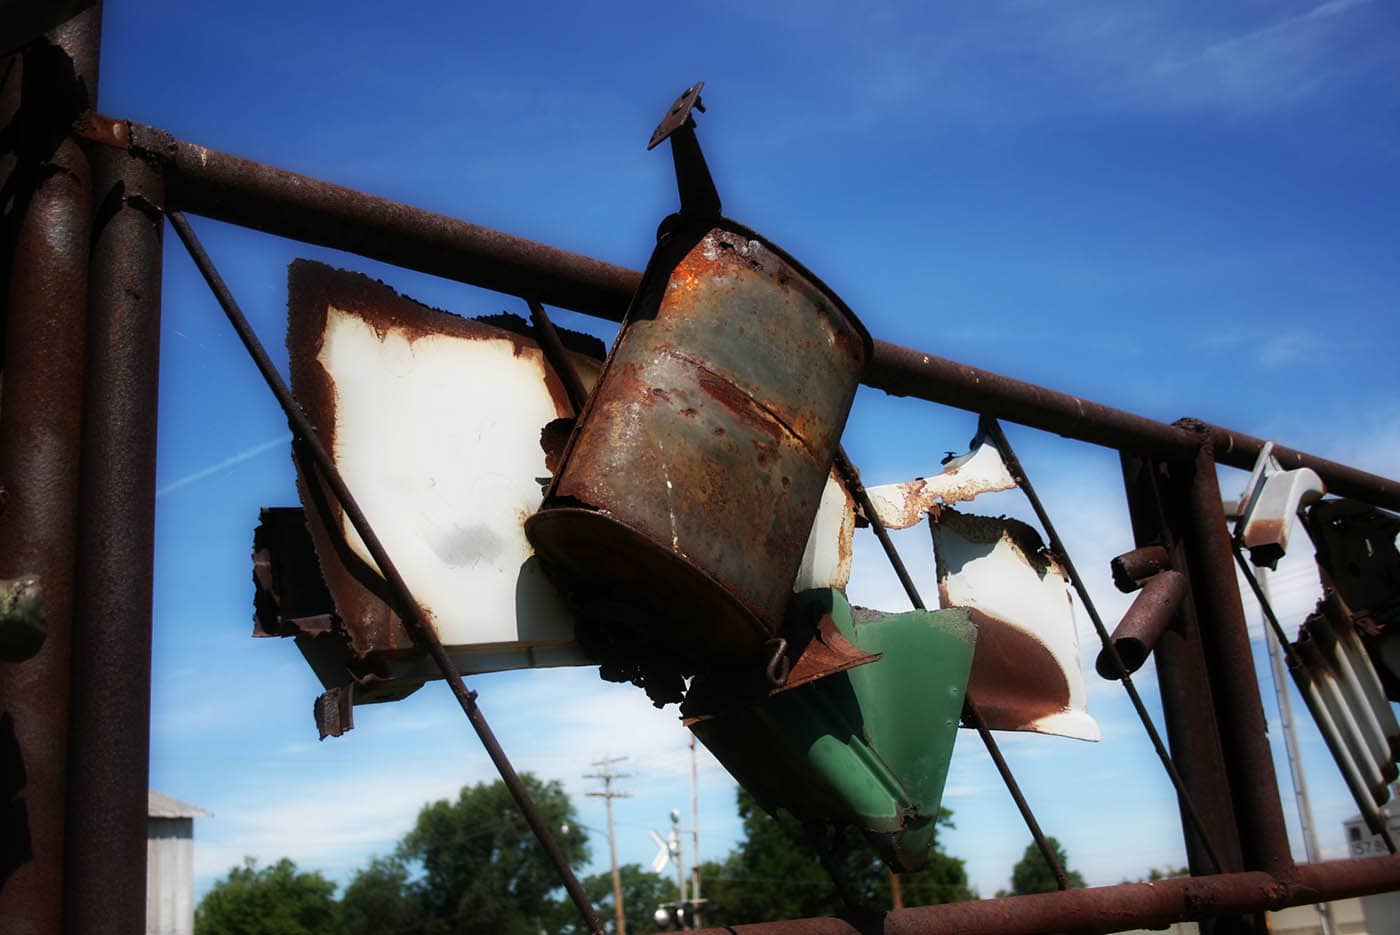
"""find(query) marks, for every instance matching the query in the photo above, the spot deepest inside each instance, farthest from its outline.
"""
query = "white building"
(170, 864)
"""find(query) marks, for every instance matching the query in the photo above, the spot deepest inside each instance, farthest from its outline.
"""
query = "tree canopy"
(1032, 874)
(273, 900)
(774, 874)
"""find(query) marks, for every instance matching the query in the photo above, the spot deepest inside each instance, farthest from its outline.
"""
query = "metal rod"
(1188, 709)
(557, 355)
(1375, 822)
(1146, 619)
(1057, 547)
(1235, 688)
(228, 188)
(408, 609)
(971, 715)
(45, 234)
(110, 712)
(1104, 909)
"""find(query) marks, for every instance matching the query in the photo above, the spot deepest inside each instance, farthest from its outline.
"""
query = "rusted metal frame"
(402, 599)
(110, 713)
(1106, 909)
(556, 356)
(1230, 661)
(1155, 509)
(1375, 822)
(45, 234)
(1240, 450)
(851, 476)
(228, 188)
(1057, 547)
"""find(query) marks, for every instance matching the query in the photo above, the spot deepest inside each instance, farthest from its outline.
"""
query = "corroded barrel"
(677, 518)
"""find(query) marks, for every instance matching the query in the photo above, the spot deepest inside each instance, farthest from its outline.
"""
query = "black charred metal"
(1143, 625)
(409, 610)
(110, 715)
(45, 230)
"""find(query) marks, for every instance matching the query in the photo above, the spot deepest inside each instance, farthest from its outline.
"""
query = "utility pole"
(1295, 762)
(678, 852)
(694, 832)
(606, 774)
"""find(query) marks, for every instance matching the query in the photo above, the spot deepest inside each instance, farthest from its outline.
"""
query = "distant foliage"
(1032, 874)
(274, 900)
(774, 874)
(642, 892)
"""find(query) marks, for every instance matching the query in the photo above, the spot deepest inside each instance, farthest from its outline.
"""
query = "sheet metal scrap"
(980, 471)
(1025, 675)
(1348, 701)
(1358, 555)
(867, 747)
(439, 424)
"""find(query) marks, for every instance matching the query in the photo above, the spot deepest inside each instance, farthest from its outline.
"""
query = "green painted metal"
(869, 746)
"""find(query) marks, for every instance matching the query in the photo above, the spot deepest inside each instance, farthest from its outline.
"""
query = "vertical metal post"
(45, 217)
(1234, 686)
(109, 740)
(1187, 705)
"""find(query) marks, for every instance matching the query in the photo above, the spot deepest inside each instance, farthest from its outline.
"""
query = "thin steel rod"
(1057, 547)
(408, 608)
(557, 355)
(228, 188)
(851, 476)
(1301, 675)
(1104, 909)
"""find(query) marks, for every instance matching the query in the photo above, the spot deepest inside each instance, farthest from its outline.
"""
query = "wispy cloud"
(233, 460)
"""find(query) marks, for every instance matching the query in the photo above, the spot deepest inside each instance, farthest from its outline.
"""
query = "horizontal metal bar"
(1114, 908)
(229, 188)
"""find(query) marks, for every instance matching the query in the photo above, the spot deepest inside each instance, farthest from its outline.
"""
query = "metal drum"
(677, 519)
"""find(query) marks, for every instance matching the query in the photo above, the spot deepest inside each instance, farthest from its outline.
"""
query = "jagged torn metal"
(980, 471)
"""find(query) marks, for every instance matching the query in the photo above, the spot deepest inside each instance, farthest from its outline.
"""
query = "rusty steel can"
(676, 520)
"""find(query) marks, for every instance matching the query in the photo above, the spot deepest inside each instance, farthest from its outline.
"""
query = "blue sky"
(1184, 209)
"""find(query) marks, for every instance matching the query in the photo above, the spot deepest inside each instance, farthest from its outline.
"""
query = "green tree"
(381, 899)
(1033, 875)
(475, 866)
(642, 892)
(774, 874)
(274, 900)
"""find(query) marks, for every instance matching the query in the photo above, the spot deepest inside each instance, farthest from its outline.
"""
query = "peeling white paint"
(1025, 672)
(826, 562)
(438, 435)
(982, 470)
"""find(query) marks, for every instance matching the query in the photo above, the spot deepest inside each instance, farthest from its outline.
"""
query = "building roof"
(160, 805)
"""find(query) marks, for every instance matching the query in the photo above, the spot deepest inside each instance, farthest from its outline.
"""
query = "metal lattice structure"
(87, 201)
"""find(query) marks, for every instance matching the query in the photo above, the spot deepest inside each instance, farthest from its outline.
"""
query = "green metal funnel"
(869, 746)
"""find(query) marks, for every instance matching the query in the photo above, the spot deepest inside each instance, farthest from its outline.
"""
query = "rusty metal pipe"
(45, 229)
(1105, 909)
(1239, 710)
(403, 602)
(109, 737)
(1155, 510)
(1240, 450)
(1109, 652)
(1142, 626)
(229, 188)
(1131, 569)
